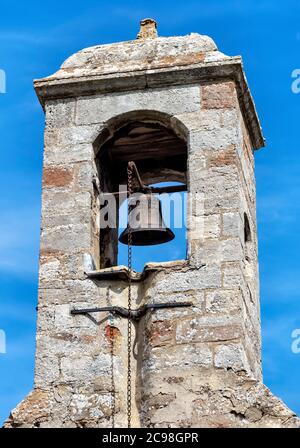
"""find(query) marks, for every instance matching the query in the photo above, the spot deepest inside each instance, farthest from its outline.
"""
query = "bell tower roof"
(150, 61)
(146, 52)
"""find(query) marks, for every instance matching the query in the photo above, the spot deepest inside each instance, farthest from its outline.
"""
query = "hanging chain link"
(113, 386)
(129, 326)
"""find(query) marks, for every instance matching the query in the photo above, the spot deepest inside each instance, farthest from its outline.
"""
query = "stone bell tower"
(182, 111)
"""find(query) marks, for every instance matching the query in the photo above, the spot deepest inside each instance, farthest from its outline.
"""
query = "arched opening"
(157, 145)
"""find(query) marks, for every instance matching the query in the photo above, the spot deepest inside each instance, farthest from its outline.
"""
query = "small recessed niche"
(247, 230)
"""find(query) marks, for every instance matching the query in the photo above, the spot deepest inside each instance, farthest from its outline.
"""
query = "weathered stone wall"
(221, 332)
(197, 366)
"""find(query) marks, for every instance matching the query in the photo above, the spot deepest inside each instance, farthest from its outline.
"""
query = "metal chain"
(129, 326)
(113, 386)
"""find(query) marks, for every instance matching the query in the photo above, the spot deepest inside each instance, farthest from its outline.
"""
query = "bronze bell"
(146, 222)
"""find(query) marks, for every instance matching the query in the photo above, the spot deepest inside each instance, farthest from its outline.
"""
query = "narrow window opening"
(248, 250)
(247, 231)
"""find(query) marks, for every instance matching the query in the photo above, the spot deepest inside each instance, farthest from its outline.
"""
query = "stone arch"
(156, 141)
(116, 122)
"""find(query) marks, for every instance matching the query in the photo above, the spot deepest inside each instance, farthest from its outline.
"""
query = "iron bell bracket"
(131, 314)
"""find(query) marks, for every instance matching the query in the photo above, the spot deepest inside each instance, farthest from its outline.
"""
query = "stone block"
(87, 368)
(46, 369)
(206, 277)
(208, 329)
(60, 113)
(63, 318)
(222, 302)
(216, 251)
(222, 203)
(55, 201)
(84, 176)
(69, 238)
(232, 225)
(213, 139)
(233, 277)
(227, 156)
(180, 356)
(65, 322)
(45, 319)
(160, 333)
(49, 269)
(74, 342)
(212, 226)
(57, 177)
(176, 100)
(231, 250)
(87, 407)
(208, 120)
(219, 95)
(190, 331)
(221, 182)
(61, 218)
(69, 136)
(51, 293)
(64, 155)
(231, 356)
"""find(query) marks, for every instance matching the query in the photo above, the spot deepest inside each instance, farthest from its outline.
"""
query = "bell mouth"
(147, 237)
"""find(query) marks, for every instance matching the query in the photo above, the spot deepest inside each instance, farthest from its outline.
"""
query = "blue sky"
(35, 38)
